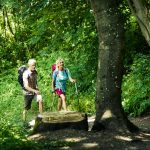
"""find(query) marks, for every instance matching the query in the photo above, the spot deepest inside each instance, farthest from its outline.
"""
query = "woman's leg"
(59, 106)
(63, 98)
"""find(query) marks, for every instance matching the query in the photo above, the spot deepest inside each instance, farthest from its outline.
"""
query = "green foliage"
(134, 40)
(13, 137)
(10, 96)
(46, 30)
(11, 107)
(78, 69)
(47, 26)
(83, 102)
(136, 87)
(12, 129)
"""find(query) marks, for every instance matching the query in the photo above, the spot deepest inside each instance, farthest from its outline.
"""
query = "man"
(31, 90)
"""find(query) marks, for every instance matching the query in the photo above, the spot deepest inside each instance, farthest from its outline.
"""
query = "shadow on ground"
(105, 140)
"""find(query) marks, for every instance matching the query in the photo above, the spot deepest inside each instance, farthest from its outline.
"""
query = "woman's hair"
(58, 61)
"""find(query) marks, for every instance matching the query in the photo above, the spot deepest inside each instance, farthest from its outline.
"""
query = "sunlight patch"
(90, 145)
(32, 123)
(74, 139)
(107, 114)
(123, 138)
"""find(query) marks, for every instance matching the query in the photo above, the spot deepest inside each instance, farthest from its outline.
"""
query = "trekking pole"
(76, 88)
(77, 96)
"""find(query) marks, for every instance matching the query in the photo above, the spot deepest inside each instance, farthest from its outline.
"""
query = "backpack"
(21, 70)
(54, 67)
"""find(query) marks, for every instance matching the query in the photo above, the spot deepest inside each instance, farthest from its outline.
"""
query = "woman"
(59, 79)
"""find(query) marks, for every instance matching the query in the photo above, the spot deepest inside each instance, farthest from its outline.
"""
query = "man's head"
(32, 64)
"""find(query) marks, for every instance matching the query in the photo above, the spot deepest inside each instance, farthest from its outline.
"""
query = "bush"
(136, 87)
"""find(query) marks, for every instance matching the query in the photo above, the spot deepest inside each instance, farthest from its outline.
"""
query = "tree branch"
(139, 10)
(10, 29)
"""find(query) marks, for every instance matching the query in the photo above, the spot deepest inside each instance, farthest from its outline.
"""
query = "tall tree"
(109, 111)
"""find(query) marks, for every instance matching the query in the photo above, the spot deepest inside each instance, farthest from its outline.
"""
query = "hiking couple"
(30, 88)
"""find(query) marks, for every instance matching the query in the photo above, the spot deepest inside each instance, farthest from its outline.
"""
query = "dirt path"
(88, 140)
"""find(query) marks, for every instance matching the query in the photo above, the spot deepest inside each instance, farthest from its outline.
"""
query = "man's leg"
(27, 105)
(40, 107)
(40, 103)
(24, 115)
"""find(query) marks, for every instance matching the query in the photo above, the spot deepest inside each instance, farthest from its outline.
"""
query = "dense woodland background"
(46, 30)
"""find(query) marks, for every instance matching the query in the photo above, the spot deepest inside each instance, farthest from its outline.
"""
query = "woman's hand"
(73, 80)
(53, 92)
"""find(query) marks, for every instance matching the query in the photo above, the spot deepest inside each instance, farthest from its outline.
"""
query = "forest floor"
(104, 140)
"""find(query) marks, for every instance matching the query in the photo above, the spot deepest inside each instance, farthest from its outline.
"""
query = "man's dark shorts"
(28, 100)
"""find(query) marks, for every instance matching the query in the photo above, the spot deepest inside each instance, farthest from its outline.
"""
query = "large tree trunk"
(142, 12)
(109, 112)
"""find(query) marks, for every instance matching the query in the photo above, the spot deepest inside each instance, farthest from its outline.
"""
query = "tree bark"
(109, 111)
(142, 12)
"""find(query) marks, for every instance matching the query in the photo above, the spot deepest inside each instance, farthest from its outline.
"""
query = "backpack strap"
(66, 71)
(57, 73)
